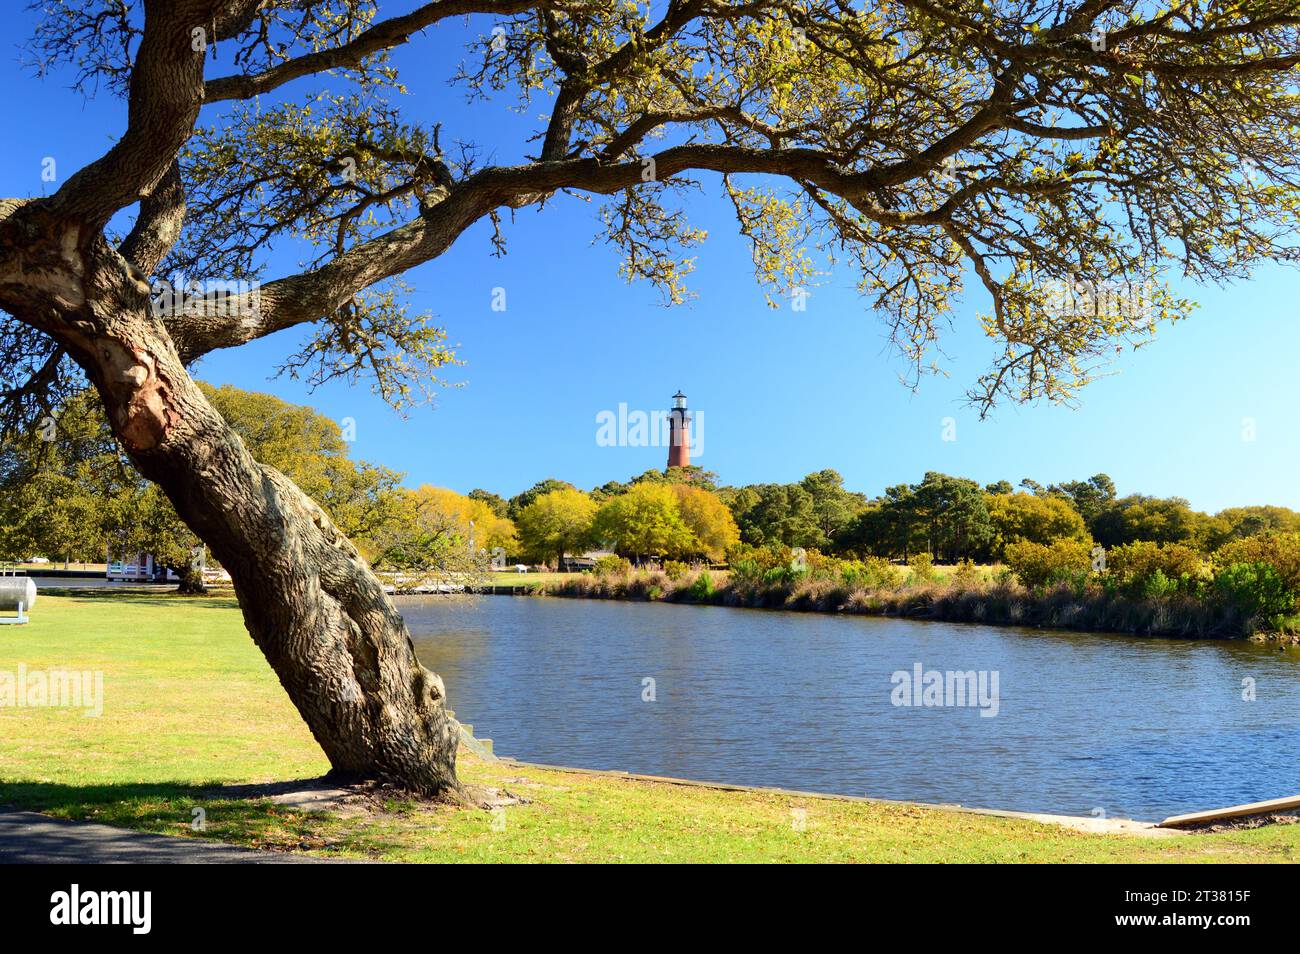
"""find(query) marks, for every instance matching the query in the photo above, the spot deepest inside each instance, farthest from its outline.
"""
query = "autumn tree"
(1063, 154)
(478, 521)
(519, 502)
(1026, 517)
(1235, 523)
(434, 536)
(713, 530)
(556, 523)
(495, 502)
(645, 521)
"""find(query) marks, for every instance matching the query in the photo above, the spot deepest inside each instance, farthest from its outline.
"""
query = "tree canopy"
(777, 514)
(1019, 517)
(555, 523)
(433, 535)
(713, 529)
(645, 521)
(1065, 155)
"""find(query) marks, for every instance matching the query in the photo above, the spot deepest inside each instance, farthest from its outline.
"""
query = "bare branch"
(382, 36)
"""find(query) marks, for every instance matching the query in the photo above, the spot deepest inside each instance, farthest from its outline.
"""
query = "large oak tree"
(1052, 150)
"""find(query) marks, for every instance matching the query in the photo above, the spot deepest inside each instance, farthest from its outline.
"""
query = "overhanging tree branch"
(385, 35)
(166, 91)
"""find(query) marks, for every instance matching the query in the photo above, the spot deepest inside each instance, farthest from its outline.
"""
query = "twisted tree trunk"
(311, 603)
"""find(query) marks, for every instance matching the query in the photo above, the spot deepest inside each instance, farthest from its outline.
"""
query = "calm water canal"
(1138, 728)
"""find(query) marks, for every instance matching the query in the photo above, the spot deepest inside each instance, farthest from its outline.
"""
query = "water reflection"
(1139, 728)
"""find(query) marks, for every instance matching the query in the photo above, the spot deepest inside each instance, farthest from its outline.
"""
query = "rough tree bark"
(311, 603)
(321, 617)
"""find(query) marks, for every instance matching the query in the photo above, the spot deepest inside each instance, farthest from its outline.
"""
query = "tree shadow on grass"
(217, 599)
(241, 814)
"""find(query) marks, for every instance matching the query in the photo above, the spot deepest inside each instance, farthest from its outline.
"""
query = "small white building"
(139, 568)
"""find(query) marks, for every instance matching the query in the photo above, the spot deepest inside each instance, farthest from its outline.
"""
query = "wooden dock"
(1291, 803)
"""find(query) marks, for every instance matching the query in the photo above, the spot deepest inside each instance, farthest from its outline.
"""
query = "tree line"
(68, 492)
(948, 518)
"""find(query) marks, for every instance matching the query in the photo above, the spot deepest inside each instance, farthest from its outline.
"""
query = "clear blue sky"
(783, 393)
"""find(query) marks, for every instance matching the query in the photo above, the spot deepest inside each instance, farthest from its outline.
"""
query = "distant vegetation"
(67, 492)
(1071, 555)
(1042, 586)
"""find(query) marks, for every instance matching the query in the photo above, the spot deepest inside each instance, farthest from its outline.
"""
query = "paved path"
(29, 838)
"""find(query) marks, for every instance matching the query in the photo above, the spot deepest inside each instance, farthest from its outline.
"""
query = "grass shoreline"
(193, 715)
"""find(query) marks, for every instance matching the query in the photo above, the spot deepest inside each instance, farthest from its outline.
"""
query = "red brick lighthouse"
(679, 433)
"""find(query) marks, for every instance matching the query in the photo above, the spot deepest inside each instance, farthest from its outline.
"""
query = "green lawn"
(986, 571)
(504, 578)
(190, 705)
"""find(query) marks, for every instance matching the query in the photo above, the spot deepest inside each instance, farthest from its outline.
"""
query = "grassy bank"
(529, 579)
(190, 711)
(946, 597)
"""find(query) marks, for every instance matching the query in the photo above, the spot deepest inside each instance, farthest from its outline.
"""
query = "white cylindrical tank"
(16, 589)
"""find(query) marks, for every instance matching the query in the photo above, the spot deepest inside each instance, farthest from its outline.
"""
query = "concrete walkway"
(29, 838)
